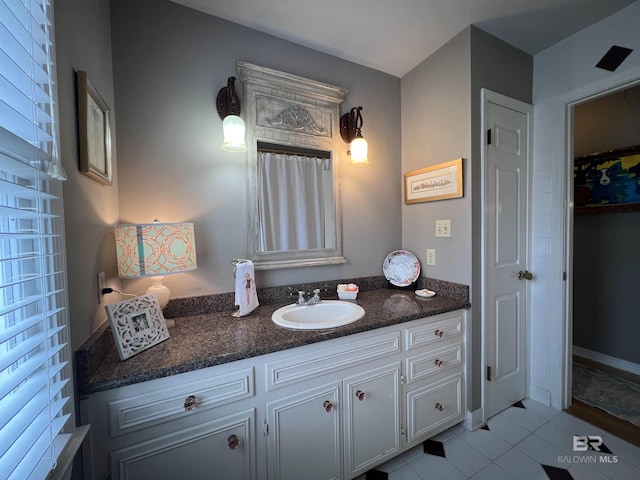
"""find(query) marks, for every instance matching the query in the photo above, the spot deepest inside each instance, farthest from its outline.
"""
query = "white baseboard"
(473, 420)
(607, 360)
(540, 395)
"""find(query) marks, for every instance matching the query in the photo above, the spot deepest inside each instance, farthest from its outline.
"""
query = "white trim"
(474, 420)
(608, 360)
(539, 395)
(581, 95)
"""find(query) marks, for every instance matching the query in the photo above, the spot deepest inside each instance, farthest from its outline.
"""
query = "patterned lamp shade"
(154, 249)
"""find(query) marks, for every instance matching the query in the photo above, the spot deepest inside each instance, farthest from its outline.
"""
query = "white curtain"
(291, 201)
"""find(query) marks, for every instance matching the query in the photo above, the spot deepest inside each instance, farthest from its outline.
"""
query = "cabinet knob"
(361, 395)
(328, 406)
(439, 406)
(234, 442)
(439, 363)
(439, 333)
(190, 403)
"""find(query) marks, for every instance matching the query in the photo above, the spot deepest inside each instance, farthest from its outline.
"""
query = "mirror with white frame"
(293, 159)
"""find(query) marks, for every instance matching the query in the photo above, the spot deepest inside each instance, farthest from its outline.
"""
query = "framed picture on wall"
(94, 132)
(607, 182)
(437, 182)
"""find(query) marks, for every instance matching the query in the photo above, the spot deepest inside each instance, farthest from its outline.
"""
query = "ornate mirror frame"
(289, 110)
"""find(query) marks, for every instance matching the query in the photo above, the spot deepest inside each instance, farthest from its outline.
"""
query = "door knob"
(525, 275)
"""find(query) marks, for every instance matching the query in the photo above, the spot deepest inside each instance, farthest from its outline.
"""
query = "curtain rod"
(291, 150)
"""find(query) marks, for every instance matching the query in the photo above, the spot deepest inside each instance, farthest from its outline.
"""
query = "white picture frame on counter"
(137, 324)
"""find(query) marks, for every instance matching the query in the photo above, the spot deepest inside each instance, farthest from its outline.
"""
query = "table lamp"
(154, 250)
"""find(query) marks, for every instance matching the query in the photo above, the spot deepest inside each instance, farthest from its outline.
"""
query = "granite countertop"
(204, 340)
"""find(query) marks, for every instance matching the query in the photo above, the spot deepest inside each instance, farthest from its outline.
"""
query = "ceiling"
(394, 36)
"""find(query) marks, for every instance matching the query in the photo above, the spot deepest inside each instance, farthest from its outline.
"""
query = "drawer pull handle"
(233, 442)
(361, 395)
(190, 403)
(439, 363)
(328, 406)
(439, 333)
(439, 406)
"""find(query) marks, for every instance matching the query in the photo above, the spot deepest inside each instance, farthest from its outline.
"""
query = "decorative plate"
(401, 268)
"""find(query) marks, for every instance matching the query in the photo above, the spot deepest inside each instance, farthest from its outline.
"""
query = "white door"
(505, 240)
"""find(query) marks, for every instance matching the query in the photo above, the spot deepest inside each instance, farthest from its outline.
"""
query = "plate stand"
(413, 286)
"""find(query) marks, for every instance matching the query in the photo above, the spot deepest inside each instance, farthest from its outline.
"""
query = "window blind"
(35, 413)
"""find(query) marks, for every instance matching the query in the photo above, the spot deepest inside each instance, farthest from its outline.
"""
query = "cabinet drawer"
(434, 405)
(162, 405)
(435, 331)
(323, 359)
(222, 448)
(433, 362)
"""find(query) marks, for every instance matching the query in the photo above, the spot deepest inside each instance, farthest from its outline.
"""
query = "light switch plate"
(431, 256)
(443, 228)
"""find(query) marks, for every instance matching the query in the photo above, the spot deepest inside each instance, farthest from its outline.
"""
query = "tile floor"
(529, 441)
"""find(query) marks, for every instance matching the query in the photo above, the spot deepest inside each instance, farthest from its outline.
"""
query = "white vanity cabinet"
(435, 375)
(325, 398)
(199, 424)
(329, 410)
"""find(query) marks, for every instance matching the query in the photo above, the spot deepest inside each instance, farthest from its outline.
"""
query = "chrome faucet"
(308, 300)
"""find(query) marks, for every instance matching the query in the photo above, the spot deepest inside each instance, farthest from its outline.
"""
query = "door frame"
(567, 368)
(527, 109)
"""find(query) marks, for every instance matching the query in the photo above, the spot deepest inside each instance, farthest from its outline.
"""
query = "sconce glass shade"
(233, 128)
(359, 148)
(154, 250)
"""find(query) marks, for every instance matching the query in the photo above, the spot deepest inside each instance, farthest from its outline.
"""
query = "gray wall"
(169, 63)
(83, 42)
(606, 257)
(441, 122)
(501, 68)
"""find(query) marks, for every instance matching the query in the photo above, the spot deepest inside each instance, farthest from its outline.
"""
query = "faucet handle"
(316, 295)
(301, 294)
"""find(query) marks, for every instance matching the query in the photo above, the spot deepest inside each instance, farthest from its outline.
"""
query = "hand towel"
(246, 296)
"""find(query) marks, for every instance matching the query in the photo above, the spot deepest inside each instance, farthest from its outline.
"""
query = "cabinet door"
(304, 435)
(217, 449)
(372, 424)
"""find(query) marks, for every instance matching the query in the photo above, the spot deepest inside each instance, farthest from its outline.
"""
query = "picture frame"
(437, 182)
(607, 182)
(137, 324)
(94, 132)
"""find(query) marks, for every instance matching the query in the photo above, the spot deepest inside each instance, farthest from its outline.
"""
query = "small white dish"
(347, 295)
(347, 291)
(424, 293)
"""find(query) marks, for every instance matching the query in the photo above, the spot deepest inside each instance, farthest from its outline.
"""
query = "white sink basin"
(326, 314)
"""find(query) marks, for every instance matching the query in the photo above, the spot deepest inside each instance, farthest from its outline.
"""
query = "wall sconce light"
(228, 105)
(153, 250)
(350, 131)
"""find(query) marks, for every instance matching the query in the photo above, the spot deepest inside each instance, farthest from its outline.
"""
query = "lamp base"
(159, 290)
